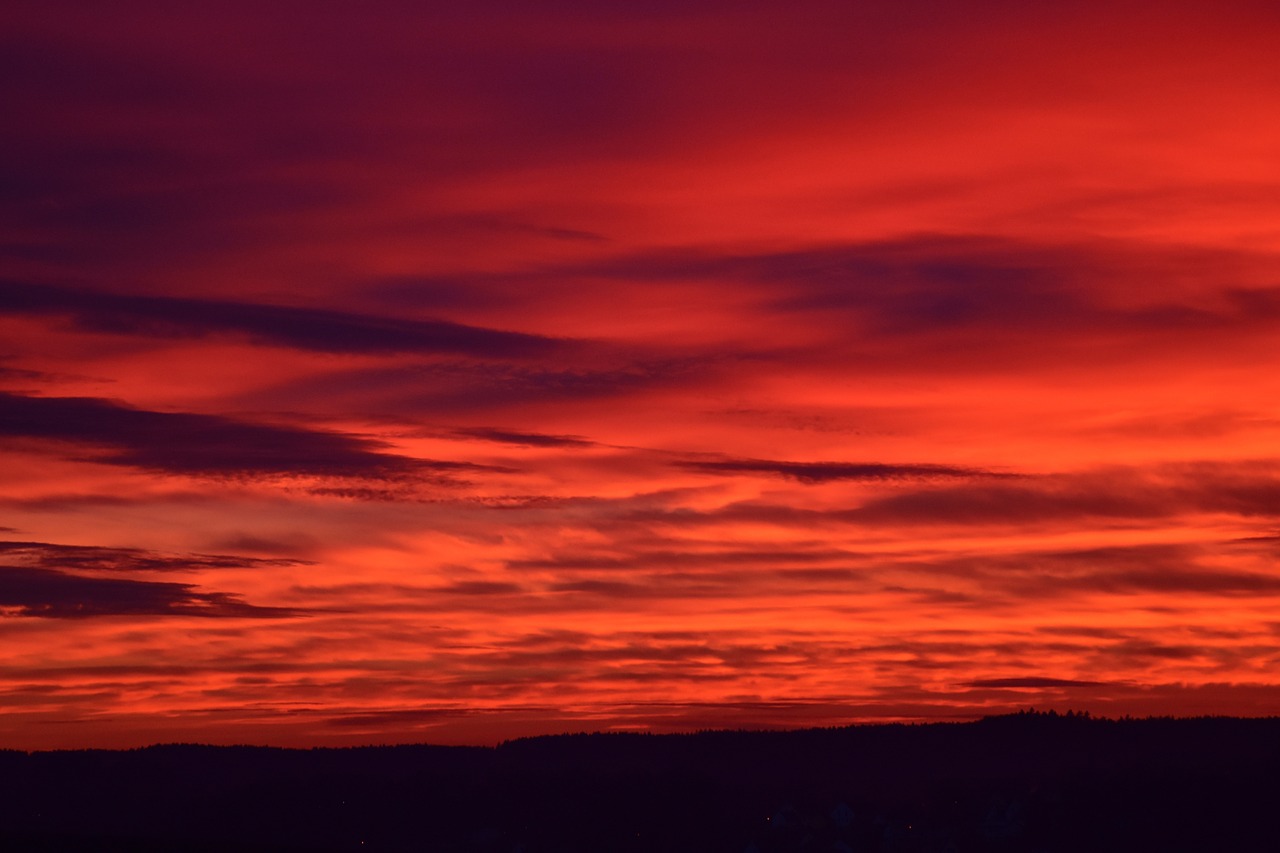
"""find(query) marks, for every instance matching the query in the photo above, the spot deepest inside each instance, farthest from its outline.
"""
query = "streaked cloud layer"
(401, 373)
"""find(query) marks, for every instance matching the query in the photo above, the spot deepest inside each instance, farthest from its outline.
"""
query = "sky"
(454, 372)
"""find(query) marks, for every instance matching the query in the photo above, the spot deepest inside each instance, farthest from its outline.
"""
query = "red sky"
(396, 372)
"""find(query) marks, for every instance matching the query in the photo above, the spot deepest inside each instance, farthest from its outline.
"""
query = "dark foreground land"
(1030, 782)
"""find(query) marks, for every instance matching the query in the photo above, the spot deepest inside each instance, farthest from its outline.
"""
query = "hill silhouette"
(1028, 782)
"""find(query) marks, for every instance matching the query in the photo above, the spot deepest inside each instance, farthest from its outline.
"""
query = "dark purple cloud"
(199, 132)
(1033, 681)
(1191, 579)
(1165, 570)
(928, 289)
(187, 443)
(1141, 650)
(477, 588)
(53, 594)
(16, 374)
(821, 472)
(524, 439)
(923, 279)
(458, 387)
(47, 555)
(1249, 489)
(1005, 504)
(281, 325)
(1246, 489)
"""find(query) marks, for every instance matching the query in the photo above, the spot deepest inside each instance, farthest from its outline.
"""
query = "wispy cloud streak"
(306, 328)
(200, 444)
(820, 472)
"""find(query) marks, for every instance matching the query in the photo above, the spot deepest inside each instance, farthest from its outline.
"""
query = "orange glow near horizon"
(391, 375)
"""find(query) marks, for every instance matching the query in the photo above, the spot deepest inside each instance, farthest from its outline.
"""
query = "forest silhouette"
(1025, 782)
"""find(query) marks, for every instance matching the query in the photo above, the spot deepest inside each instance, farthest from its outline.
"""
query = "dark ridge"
(1039, 783)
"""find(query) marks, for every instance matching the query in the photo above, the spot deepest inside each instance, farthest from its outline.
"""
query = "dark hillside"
(1030, 782)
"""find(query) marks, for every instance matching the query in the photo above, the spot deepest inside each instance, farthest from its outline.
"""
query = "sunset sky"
(452, 372)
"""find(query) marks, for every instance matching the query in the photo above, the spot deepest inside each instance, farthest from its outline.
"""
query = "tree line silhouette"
(1038, 782)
